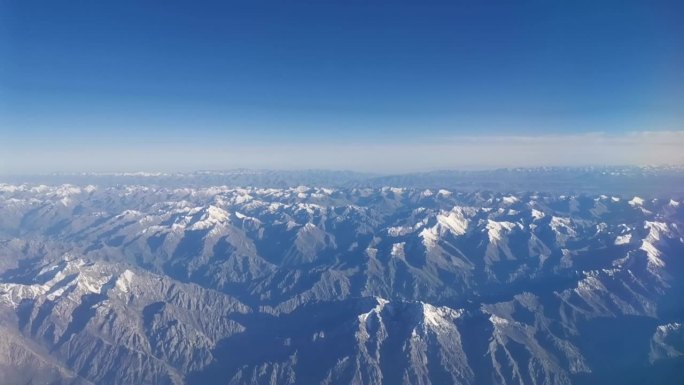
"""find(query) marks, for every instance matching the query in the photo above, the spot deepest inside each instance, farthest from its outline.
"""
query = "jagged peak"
(124, 281)
(636, 201)
(380, 304)
(497, 229)
(211, 216)
(439, 317)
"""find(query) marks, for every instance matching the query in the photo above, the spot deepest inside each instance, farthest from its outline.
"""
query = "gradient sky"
(368, 85)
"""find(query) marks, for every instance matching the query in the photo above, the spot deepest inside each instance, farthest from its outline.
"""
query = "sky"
(386, 86)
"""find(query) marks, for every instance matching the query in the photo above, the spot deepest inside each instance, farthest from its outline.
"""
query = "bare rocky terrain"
(199, 283)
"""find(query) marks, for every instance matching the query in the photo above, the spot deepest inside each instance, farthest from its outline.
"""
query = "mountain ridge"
(327, 285)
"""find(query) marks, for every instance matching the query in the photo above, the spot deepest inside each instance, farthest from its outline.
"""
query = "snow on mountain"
(357, 285)
(667, 342)
(636, 201)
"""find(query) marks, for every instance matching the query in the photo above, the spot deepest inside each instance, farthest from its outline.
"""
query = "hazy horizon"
(483, 152)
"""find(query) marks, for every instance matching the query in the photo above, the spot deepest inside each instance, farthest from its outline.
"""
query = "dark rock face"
(138, 284)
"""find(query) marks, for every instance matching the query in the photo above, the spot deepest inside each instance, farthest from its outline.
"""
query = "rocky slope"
(311, 285)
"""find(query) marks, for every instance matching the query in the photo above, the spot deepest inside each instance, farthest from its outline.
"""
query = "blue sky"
(117, 85)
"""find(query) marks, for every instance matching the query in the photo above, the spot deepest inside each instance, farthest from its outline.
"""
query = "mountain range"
(544, 276)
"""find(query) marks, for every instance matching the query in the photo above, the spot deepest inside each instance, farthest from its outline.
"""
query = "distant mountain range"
(544, 276)
(646, 180)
